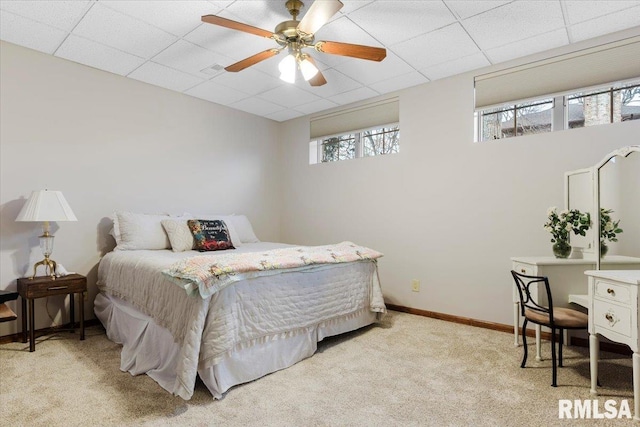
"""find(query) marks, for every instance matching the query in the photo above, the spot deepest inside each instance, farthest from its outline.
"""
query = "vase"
(561, 249)
(603, 249)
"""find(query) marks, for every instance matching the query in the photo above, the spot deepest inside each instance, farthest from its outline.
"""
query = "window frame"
(359, 151)
(560, 108)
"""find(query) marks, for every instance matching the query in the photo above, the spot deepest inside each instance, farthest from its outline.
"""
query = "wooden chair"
(556, 318)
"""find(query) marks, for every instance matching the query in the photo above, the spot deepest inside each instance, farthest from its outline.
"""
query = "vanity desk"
(613, 313)
(567, 280)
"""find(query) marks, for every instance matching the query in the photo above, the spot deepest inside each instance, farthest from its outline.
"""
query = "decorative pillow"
(228, 220)
(179, 234)
(243, 227)
(139, 231)
(210, 235)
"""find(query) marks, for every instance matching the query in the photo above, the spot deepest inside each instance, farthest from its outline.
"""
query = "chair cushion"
(562, 317)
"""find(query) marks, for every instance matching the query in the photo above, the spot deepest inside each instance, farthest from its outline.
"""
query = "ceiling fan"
(294, 36)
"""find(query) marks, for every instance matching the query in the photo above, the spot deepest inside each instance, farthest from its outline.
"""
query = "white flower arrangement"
(560, 224)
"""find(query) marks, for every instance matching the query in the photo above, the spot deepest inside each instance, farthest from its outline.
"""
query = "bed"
(250, 327)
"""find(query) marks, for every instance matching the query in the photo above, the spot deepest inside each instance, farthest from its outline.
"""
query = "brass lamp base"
(49, 265)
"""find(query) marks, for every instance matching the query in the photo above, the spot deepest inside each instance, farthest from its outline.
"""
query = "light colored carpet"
(406, 371)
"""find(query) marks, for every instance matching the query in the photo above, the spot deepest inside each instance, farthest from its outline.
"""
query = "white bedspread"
(251, 312)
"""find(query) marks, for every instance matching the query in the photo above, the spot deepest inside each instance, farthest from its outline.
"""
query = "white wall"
(445, 211)
(111, 143)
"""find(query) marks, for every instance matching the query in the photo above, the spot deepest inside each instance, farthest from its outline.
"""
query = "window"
(611, 105)
(518, 119)
(607, 105)
(366, 143)
(380, 141)
(341, 147)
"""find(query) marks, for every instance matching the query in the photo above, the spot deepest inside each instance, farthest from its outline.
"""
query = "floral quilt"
(208, 274)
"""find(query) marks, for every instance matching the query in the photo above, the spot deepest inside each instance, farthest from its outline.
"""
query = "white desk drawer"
(612, 317)
(527, 269)
(610, 291)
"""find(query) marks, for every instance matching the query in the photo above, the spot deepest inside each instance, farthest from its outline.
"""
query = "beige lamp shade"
(46, 205)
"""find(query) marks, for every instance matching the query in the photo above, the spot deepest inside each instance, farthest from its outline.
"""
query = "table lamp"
(45, 206)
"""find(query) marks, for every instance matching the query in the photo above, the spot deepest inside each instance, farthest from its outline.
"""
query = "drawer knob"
(611, 292)
(57, 288)
(522, 270)
(611, 318)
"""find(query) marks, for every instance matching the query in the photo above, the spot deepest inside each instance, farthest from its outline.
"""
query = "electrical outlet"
(415, 285)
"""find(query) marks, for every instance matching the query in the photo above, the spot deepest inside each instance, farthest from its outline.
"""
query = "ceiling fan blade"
(318, 14)
(318, 79)
(354, 50)
(252, 60)
(234, 25)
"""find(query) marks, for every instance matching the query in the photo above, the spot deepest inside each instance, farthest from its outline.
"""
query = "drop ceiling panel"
(88, 52)
(175, 17)
(217, 93)
(391, 22)
(528, 46)
(115, 29)
(443, 45)
(250, 81)
(513, 22)
(580, 11)
(257, 106)
(288, 96)
(353, 96)
(283, 115)
(63, 15)
(315, 106)
(607, 24)
(457, 66)
(188, 57)
(403, 81)
(165, 77)
(367, 72)
(28, 33)
(465, 9)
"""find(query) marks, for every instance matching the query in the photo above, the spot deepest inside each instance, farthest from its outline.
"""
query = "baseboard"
(579, 342)
(45, 331)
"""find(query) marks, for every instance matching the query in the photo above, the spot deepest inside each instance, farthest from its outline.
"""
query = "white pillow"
(179, 234)
(244, 229)
(134, 231)
(181, 238)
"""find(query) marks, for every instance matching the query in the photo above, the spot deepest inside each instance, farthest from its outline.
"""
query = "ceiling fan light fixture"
(287, 69)
(295, 36)
(308, 69)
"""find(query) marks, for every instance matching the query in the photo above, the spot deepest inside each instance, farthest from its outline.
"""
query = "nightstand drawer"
(39, 287)
(523, 268)
(612, 317)
(610, 291)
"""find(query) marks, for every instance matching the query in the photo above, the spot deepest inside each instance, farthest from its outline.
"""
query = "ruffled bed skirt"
(149, 348)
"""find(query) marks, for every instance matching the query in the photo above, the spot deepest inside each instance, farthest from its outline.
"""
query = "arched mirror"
(617, 199)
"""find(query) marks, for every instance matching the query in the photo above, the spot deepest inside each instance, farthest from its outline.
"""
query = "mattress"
(247, 330)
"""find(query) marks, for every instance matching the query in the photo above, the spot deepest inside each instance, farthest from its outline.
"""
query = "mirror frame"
(621, 152)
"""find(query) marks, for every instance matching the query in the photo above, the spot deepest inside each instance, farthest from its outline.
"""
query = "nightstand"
(45, 286)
